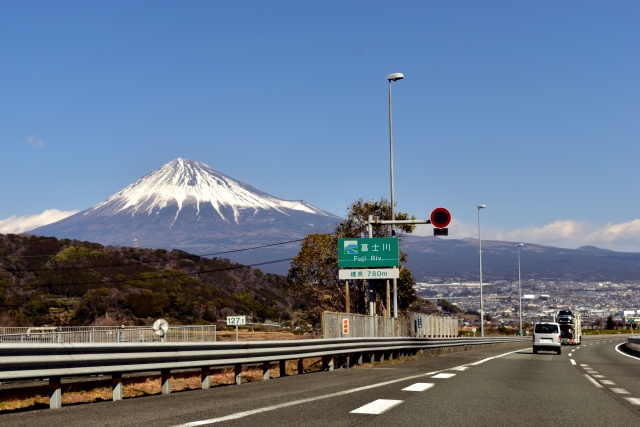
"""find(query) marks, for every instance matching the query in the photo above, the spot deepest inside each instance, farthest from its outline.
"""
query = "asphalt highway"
(592, 384)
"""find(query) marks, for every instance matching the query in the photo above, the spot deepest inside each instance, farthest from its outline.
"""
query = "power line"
(188, 256)
(236, 267)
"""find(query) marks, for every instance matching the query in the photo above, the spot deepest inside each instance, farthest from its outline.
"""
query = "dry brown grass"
(87, 392)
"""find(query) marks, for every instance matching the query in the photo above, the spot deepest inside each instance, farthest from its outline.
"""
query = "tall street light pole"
(480, 251)
(392, 78)
(520, 289)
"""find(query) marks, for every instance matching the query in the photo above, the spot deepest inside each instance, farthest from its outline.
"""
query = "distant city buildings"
(595, 301)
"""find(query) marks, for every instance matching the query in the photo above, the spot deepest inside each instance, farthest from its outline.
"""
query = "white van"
(546, 336)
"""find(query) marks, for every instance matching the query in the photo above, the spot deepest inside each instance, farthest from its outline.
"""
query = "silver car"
(546, 336)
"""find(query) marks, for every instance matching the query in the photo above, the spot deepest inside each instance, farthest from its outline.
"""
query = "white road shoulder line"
(625, 354)
(444, 376)
(594, 382)
(633, 400)
(494, 357)
(377, 407)
(573, 362)
(619, 390)
(419, 387)
(311, 399)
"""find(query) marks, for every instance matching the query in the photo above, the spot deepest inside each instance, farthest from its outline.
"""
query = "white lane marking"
(444, 376)
(377, 407)
(582, 364)
(461, 368)
(419, 387)
(619, 390)
(607, 382)
(301, 401)
(597, 376)
(570, 354)
(573, 362)
(625, 354)
(633, 400)
(595, 383)
(494, 357)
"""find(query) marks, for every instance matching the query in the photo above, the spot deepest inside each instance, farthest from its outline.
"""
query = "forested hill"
(44, 280)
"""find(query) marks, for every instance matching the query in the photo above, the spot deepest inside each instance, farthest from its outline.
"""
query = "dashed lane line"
(619, 390)
(419, 387)
(607, 382)
(377, 407)
(326, 396)
(573, 362)
(444, 375)
(594, 382)
(633, 400)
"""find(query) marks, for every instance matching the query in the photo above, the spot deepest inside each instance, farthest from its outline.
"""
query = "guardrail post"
(55, 393)
(165, 374)
(381, 357)
(300, 367)
(283, 368)
(391, 356)
(205, 377)
(372, 358)
(116, 386)
(238, 371)
(327, 363)
(266, 370)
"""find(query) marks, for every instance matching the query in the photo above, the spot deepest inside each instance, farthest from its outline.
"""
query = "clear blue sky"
(530, 107)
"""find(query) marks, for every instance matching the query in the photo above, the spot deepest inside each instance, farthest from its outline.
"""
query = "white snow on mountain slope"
(189, 182)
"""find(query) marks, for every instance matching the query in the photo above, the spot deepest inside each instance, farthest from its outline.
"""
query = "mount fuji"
(187, 205)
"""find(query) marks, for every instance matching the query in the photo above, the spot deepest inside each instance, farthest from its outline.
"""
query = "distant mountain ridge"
(433, 257)
(185, 204)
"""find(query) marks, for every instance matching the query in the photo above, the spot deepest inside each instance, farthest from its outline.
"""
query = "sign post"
(236, 320)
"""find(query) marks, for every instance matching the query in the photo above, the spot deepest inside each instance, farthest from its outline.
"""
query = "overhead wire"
(235, 267)
(188, 256)
(141, 262)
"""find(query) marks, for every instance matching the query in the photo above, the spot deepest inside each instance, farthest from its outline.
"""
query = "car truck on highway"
(570, 327)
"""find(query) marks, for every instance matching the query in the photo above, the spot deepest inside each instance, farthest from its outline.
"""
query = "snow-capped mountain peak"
(188, 182)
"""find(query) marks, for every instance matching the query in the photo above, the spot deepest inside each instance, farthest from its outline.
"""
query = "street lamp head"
(482, 206)
(395, 76)
(520, 244)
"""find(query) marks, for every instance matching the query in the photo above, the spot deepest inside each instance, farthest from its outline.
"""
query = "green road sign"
(419, 322)
(378, 252)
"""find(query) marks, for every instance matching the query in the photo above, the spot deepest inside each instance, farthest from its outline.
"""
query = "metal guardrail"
(116, 334)
(53, 361)
(633, 343)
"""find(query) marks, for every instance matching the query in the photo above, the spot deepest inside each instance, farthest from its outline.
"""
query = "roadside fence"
(106, 334)
(364, 326)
